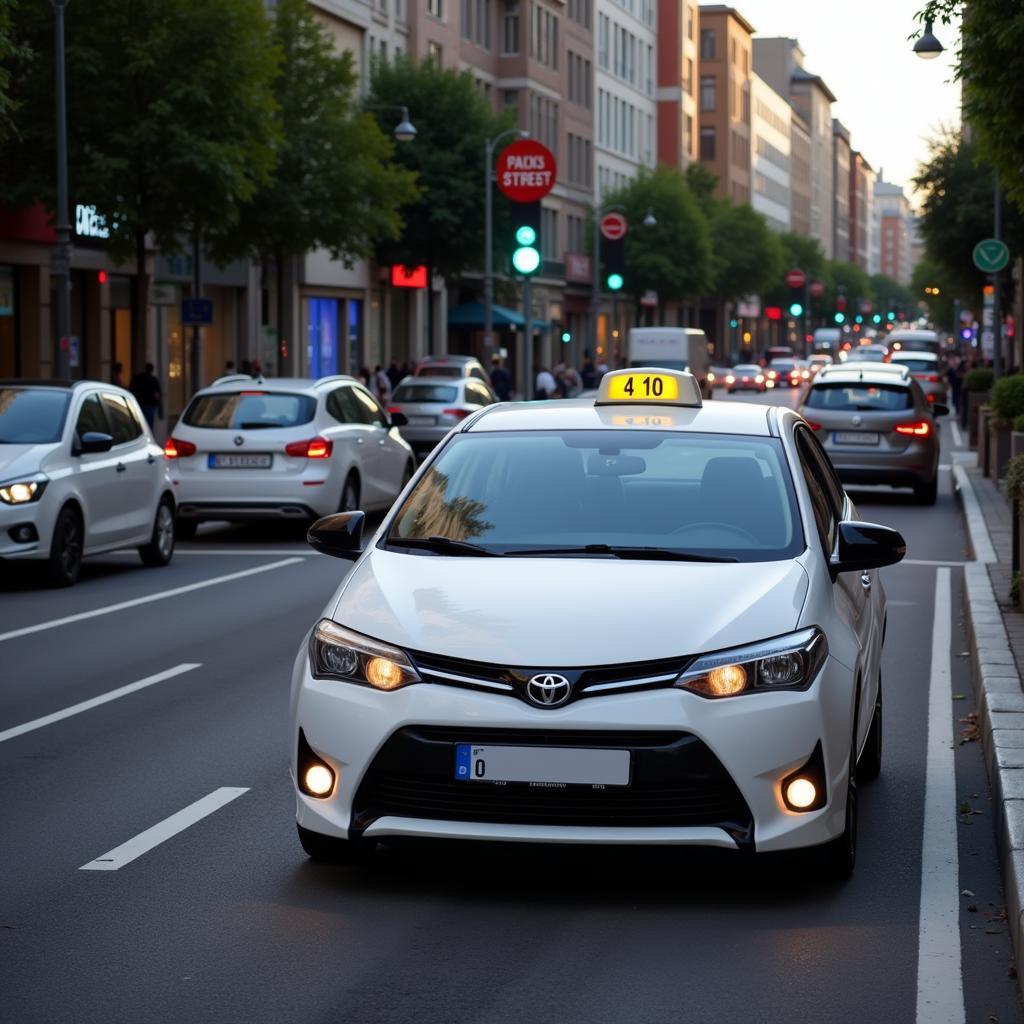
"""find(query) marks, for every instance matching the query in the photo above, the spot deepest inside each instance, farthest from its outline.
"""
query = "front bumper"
(34, 520)
(705, 773)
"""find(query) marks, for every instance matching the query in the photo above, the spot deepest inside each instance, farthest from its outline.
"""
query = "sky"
(891, 100)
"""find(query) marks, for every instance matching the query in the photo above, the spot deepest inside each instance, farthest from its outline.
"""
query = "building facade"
(862, 188)
(678, 61)
(841, 157)
(771, 154)
(891, 212)
(800, 175)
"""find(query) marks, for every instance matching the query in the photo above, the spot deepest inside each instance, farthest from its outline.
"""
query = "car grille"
(585, 682)
(676, 781)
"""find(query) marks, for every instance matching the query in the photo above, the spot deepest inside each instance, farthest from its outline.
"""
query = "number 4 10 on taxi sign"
(637, 387)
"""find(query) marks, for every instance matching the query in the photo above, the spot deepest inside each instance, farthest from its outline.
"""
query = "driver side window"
(824, 515)
(91, 418)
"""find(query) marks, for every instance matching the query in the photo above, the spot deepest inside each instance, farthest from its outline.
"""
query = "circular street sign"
(526, 171)
(991, 256)
(614, 226)
(795, 278)
(817, 289)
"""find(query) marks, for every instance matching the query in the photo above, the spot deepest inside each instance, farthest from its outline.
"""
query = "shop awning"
(470, 315)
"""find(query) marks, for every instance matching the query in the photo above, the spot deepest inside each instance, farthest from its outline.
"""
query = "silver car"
(451, 366)
(877, 427)
(926, 369)
(433, 405)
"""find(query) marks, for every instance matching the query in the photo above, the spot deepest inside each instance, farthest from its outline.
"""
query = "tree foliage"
(444, 224)
(802, 253)
(8, 50)
(333, 183)
(990, 63)
(747, 256)
(928, 274)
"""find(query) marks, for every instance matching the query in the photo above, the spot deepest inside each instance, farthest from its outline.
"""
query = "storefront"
(334, 331)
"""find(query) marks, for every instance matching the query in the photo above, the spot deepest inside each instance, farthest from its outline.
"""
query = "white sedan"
(633, 619)
(285, 449)
(80, 473)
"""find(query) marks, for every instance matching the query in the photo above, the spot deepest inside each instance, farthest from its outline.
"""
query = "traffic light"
(890, 316)
(614, 252)
(566, 337)
(859, 318)
(734, 323)
(840, 318)
(526, 258)
(877, 318)
(796, 302)
(796, 309)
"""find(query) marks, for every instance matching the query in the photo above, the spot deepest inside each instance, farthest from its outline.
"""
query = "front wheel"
(332, 850)
(160, 549)
(66, 549)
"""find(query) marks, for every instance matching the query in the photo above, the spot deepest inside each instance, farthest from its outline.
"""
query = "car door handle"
(865, 580)
(151, 458)
(360, 440)
(121, 467)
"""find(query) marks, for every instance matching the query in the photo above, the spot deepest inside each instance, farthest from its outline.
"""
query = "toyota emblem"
(239, 440)
(548, 690)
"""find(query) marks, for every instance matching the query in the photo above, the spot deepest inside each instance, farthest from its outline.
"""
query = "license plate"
(552, 766)
(856, 437)
(234, 460)
(422, 421)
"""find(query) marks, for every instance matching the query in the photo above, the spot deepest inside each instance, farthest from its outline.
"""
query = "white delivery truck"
(672, 348)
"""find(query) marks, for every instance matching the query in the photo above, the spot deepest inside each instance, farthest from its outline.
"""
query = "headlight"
(788, 662)
(338, 653)
(21, 492)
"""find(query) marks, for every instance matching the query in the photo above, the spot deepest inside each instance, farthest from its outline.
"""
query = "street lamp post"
(489, 147)
(60, 264)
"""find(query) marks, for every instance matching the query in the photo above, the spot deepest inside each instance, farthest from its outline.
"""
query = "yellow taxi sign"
(650, 386)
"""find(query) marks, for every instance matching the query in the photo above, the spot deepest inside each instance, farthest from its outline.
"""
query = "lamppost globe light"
(927, 46)
(405, 131)
(650, 221)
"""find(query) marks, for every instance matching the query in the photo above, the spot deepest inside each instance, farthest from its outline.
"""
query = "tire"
(870, 765)
(185, 529)
(160, 549)
(927, 494)
(350, 494)
(66, 548)
(837, 858)
(331, 850)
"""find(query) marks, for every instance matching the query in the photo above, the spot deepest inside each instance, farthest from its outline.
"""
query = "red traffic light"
(773, 312)
(102, 277)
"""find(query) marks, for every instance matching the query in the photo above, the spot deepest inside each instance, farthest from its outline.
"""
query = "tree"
(673, 257)
(170, 125)
(798, 253)
(928, 275)
(747, 255)
(8, 51)
(890, 294)
(990, 64)
(842, 278)
(334, 183)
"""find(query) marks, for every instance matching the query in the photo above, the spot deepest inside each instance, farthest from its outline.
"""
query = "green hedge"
(1008, 398)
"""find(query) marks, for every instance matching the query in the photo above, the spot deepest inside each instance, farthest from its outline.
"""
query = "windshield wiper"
(653, 554)
(444, 545)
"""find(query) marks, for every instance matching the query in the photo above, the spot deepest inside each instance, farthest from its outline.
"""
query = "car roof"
(908, 333)
(32, 382)
(869, 373)
(900, 354)
(240, 382)
(448, 360)
(583, 414)
(425, 378)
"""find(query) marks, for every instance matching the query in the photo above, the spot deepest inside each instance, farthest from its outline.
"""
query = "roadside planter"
(1017, 437)
(977, 391)
(981, 436)
(1007, 405)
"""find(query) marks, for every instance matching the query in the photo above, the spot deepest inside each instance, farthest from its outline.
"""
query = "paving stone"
(1008, 738)
(1012, 782)
(1014, 812)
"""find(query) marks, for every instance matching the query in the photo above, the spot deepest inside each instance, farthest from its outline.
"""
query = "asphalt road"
(225, 920)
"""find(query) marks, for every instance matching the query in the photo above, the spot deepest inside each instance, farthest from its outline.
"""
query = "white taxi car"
(284, 449)
(633, 619)
(80, 474)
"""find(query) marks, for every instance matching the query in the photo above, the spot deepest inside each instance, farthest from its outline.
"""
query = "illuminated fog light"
(384, 674)
(319, 780)
(801, 794)
(727, 680)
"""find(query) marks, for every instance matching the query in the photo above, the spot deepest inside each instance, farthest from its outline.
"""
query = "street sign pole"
(195, 362)
(528, 387)
(997, 315)
(60, 267)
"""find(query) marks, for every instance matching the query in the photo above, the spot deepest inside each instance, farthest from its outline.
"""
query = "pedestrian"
(545, 385)
(955, 379)
(381, 385)
(572, 384)
(229, 368)
(146, 389)
(246, 368)
(501, 381)
(117, 377)
(394, 373)
(364, 375)
(588, 372)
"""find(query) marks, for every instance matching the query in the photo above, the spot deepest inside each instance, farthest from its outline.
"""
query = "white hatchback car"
(284, 449)
(635, 619)
(80, 473)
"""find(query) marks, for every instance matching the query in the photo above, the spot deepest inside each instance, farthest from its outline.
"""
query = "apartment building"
(892, 256)
(800, 175)
(771, 154)
(677, 58)
(841, 158)
(861, 202)
(724, 98)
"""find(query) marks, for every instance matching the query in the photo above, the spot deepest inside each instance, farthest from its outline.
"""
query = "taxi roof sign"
(649, 385)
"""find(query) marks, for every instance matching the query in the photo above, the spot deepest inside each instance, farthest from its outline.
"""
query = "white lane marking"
(958, 439)
(124, 854)
(95, 702)
(109, 609)
(940, 994)
(945, 466)
(977, 528)
(925, 561)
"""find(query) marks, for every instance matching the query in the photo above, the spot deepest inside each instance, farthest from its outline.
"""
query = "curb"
(1000, 701)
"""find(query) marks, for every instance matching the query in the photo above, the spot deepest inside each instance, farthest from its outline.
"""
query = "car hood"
(567, 612)
(21, 459)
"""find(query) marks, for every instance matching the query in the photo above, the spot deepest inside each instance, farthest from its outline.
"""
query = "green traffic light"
(859, 318)
(526, 260)
(566, 337)
(734, 324)
(840, 318)
(526, 235)
(890, 315)
(795, 309)
(615, 282)
(877, 318)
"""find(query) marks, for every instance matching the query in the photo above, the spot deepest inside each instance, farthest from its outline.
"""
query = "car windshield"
(747, 369)
(661, 364)
(32, 415)
(867, 354)
(249, 410)
(719, 496)
(918, 365)
(439, 371)
(425, 393)
(862, 397)
(782, 365)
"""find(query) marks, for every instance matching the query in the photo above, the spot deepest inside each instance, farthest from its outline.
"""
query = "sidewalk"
(996, 634)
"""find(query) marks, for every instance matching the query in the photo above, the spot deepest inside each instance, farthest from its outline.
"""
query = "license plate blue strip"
(462, 760)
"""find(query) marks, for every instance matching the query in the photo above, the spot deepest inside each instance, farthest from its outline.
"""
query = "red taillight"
(932, 378)
(814, 426)
(920, 429)
(176, 449)
(457, 414)
(392, 409)
(315, 448)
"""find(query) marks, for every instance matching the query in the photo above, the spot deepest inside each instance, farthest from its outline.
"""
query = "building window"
(707, 92)
(688, 80)
(603, 25)
(476, 22)
(689, 22)
(435, 51)
(579, 11)
(707, 44)
(707, 144)
(510, 27)
(436, 8)
(549, 233)
(544, 37)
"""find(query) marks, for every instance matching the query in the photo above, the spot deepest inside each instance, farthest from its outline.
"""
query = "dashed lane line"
(162, 595)
(159, 833)
(95, 702)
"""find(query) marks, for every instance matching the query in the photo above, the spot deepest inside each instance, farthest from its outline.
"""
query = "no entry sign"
(795, 278)
(614, 226)
(526, 171)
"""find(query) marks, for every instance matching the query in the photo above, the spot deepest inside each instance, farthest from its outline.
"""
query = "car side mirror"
(938, 409)
(865, 546)
(399, 419)
(340, 535)
(93, 441)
